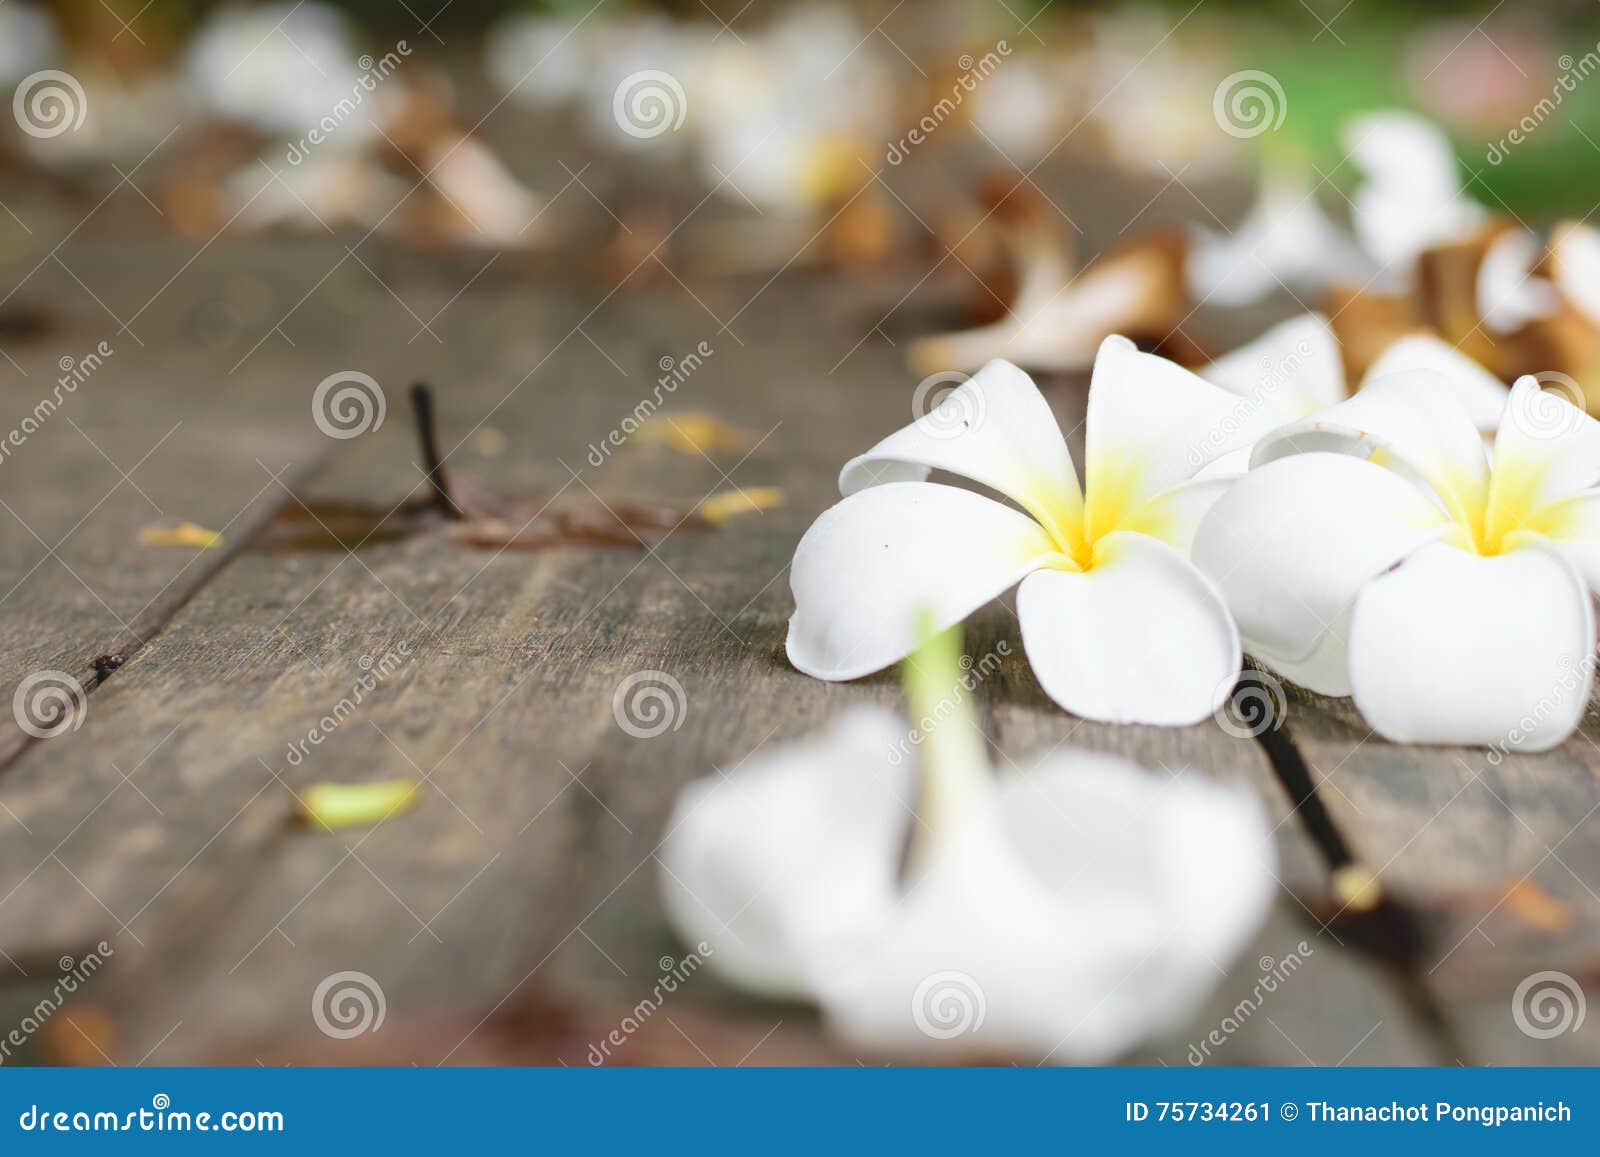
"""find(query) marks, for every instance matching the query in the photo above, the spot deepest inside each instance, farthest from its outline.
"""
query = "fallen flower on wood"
(1059, 914)
(1373, 551)
(1117, 624)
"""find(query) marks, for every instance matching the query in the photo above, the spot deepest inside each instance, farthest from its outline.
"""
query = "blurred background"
(198, 94)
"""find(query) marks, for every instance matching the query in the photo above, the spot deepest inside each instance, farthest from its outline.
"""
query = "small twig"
(432, 464)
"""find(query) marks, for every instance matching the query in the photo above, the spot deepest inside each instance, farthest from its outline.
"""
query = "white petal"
(1575, 253)
(1453, 647)
(1141, 637)
(1509, 296)
(1291, 544)
(1412, 199)
(995, 428)
(1119, 898)
(1481, 393)
(1151, 425)
(1547, 450)
(871, 564)
(793, 856)
(1414, 423)
(1285, 242)
(1573, 531)
(1290, 371)
(1326, 670)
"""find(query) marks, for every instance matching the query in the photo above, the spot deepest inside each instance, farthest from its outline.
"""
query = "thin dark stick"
(432, 464)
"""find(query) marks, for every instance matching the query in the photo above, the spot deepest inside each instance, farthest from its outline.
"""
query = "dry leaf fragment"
(343, 805)
(728, 504)
(1138, 291)
(691, 433)
(184, 534)
(83, 1034)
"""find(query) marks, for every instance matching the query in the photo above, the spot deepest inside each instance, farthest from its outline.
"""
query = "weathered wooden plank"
(529, 866)
(1495, 854)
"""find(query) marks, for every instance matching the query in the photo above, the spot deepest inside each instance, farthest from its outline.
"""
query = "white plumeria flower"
(1118, 625)
(1060, 914)
(1372, 551)
(1294, 369)
(1412, 199)
(1286, 242)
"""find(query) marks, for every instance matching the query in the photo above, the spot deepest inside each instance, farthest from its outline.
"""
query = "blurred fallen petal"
(344, 805)
(1412, 198)
(728, 504)
(1285, 243)
(1575, 262)
(322, 191)
(690, 433)
(184, 534)
(1137, 291)
(1509, 294)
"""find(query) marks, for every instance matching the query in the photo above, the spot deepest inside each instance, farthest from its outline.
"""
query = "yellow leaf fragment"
(184, 534)
(345, 805)
(1356, 888)
(691, 433)
(728, 504)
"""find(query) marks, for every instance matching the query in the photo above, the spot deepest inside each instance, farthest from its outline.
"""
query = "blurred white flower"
(1061, 914)
(1412, 198)
(1285, 243)
(539, 59)
(1118, 625)
(1509, 295)
(1372, 551)
(281, 68)
(1575, 256)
